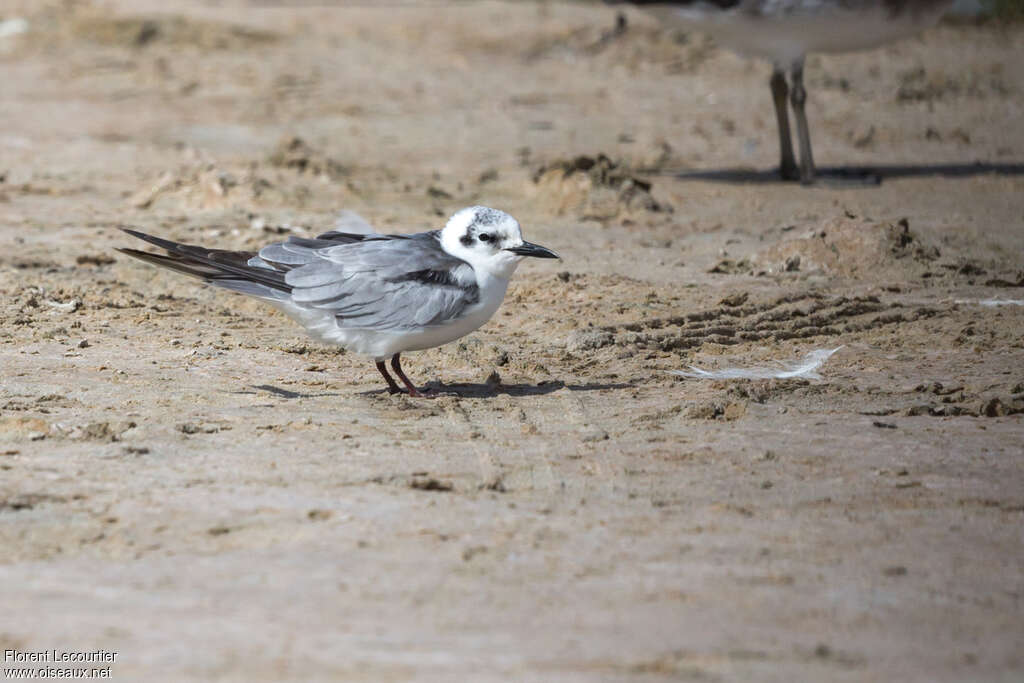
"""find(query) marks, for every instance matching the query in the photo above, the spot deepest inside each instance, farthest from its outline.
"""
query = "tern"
(784, 31)
(376, 295)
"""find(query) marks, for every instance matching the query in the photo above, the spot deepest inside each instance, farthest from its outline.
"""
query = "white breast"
(799, 28)
(382, 344)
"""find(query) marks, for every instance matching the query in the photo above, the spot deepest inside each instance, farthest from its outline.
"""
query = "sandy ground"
(185, 479)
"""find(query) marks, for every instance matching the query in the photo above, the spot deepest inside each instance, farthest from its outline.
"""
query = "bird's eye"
(484, 237)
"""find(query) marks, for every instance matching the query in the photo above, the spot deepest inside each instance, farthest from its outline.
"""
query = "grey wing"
(384, 282)
(365, 280)
(299, 251)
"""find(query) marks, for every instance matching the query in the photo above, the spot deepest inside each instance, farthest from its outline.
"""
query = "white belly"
(788, 33)
(382, 344)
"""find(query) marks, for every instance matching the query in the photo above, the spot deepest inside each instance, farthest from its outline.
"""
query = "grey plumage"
(382, 282)
(376, 295)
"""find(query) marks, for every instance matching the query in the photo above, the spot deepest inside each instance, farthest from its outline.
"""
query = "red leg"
(392, 387)
(397, 367)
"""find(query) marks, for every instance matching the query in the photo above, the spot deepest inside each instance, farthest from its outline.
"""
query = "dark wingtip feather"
(208, 265)
(171, 262)
(156, 241)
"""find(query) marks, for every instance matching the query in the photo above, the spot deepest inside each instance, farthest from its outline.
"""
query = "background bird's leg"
(397, 367)
(393, 388)
(780, 95)
(798, 96)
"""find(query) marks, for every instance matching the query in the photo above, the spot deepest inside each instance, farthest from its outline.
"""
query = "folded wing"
(381, 282)
(386, 283)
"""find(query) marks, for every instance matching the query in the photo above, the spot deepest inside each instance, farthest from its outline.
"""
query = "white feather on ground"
(804, 369)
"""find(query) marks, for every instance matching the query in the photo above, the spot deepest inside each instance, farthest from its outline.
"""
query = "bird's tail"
(239, 271)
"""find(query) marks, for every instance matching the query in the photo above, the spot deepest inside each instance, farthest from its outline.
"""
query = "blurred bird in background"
(784, 31)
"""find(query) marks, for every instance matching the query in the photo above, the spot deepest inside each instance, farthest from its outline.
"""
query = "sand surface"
(189, 481)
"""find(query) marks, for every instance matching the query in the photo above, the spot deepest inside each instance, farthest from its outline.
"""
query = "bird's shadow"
(492, 390)
(851, 176)
(466, 390)
(461, 390)
(285, 393)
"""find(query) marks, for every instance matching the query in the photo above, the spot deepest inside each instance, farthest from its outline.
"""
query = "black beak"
(531, 249)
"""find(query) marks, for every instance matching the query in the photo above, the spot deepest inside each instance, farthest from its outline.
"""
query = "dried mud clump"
(142, 31)
(595, 188)
(108, 432)
(852, 247)
(640, 46)
(295, 153)
(717, 410)
(951, 401)
(918, 85)
(28, 501)
(763, 390)
(207, 187)
(1016, 281)
(589, 340)
(19, 428)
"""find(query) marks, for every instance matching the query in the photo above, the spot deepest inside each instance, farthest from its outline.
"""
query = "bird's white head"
(489, 240)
